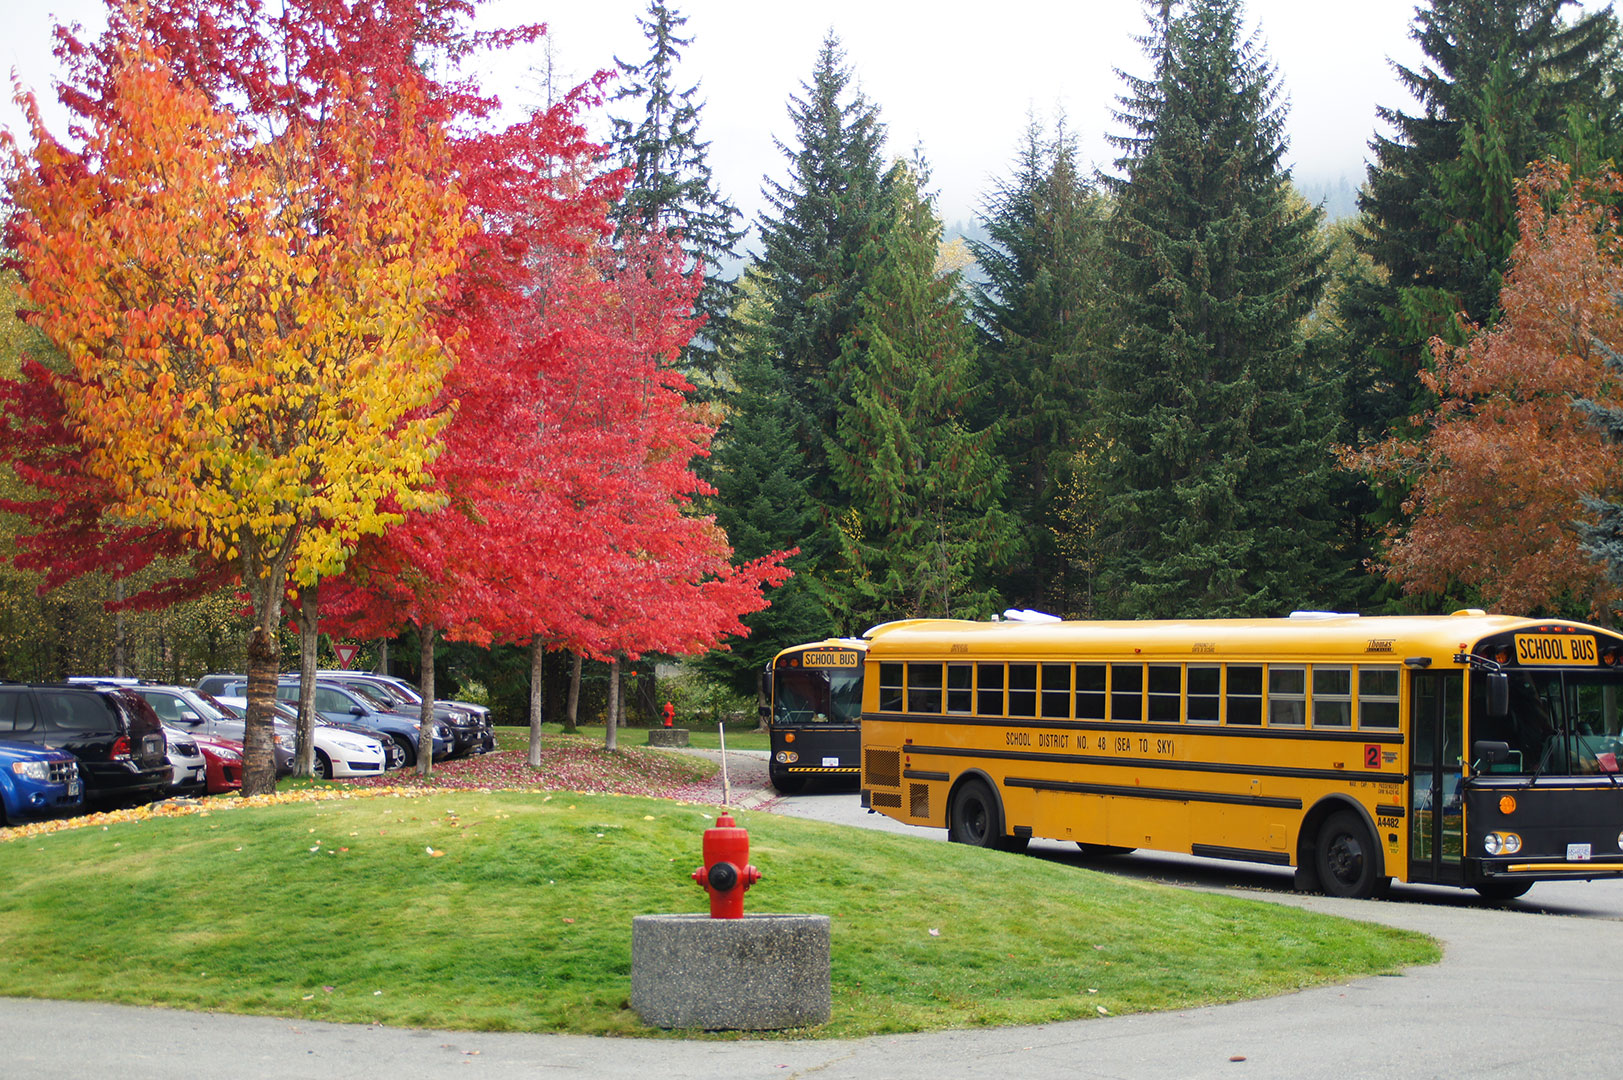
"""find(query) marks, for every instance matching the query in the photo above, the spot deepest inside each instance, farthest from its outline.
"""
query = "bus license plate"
(831, 763)
(1577, 852)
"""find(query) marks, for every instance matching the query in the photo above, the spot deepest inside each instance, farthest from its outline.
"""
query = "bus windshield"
(1560, 723)
(814, 696)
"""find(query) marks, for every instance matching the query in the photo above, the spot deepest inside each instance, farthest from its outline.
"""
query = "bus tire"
(1502, 890)
(787, 785)
(974, 817)
(1346, 858)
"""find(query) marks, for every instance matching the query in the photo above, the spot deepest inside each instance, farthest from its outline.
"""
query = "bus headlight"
(785, 757)
(1501, 843)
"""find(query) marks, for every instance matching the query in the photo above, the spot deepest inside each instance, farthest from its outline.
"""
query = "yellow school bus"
(1470, 749)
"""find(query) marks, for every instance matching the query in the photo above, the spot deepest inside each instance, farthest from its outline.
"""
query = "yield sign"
(346, 653)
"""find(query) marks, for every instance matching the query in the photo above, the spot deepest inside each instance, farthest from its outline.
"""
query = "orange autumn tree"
(1499, 477)
(249, 324)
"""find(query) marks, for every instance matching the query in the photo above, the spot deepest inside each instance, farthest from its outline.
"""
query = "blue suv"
(37, 783)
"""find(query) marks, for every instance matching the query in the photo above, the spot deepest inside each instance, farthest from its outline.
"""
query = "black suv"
(116, 736)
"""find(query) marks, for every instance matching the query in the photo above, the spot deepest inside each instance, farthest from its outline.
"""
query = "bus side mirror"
(1488, 752)
(764, 702)
(1498, 695)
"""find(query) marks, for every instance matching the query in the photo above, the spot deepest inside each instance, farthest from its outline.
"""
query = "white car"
(341, 752)
(190, 770)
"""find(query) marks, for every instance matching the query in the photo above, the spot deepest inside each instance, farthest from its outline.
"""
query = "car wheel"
(406, 749)
(323, 766)
(1346, 857)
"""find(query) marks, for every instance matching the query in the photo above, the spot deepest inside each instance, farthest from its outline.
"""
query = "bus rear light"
(1501, 843)
(1507, 804)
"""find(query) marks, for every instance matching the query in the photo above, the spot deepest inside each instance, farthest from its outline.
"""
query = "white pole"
(726, 788)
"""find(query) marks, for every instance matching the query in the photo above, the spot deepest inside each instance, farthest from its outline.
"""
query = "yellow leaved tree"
(250, 319)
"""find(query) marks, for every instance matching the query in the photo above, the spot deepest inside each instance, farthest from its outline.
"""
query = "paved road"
(1531, 991)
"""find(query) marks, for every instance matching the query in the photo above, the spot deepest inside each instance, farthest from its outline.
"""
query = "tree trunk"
(382, 666)
(611, 726)
(425, 719)
(309, 621)
(538, 655)
(572, 708)
(266, 587)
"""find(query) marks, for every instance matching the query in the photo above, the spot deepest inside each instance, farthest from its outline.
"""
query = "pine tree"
(922, 530)
(1507, 82)
(763, 503)
(672, 189)
(1211, 483)
(813, 235)
(1041, 312)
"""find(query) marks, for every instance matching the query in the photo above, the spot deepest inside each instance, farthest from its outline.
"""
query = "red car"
(222, 759)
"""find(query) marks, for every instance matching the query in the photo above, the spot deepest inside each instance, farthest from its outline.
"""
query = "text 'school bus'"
(1472, 749)
(814, 694)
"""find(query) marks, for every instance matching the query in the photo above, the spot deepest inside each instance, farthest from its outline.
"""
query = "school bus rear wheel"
(976, 819)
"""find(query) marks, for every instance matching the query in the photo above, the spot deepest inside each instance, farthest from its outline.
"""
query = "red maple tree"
(1497, 480)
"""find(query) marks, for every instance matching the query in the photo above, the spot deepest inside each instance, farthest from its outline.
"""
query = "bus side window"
(1090, 691)
(924, 688)
(1126, 692)
(1378, 697)
(1166, 693)
(1287, 695)
(1332, 696)
(1022, 689)
(1057, 691)
(890, 688)
(1244, 698)
(960, 688)
(989, 689)
(1205, 693)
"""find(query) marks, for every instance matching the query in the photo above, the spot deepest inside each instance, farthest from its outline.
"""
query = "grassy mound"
(512, 911)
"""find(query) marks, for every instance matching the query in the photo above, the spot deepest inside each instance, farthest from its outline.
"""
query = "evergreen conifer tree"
(1506, 82)
(1041, 311)
(813, 235)
(1211, 488)
(672, 189)
(922, 530)
(762, 502)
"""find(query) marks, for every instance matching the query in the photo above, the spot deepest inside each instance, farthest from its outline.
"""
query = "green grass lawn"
(511, 911)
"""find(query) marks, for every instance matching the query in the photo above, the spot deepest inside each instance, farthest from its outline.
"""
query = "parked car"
(36, 783)
(187, 709)
(116, 737)
(342, 750)
(470, 722)
(223, 763)
(336, 703)
(188, 769)
(466, 732)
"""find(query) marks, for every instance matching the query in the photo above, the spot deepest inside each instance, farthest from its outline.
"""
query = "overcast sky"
(957, 78)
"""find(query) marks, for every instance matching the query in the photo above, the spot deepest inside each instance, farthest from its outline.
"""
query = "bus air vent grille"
(918, 796)
(882, 768)
(892, 799)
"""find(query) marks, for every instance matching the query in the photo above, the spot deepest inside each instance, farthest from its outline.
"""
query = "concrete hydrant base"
(758, 973)
(668, 736)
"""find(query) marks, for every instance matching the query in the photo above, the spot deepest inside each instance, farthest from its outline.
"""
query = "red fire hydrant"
(670, 713)
(726, 872)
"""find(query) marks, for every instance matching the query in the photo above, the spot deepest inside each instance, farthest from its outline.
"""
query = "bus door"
(1436, 796)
